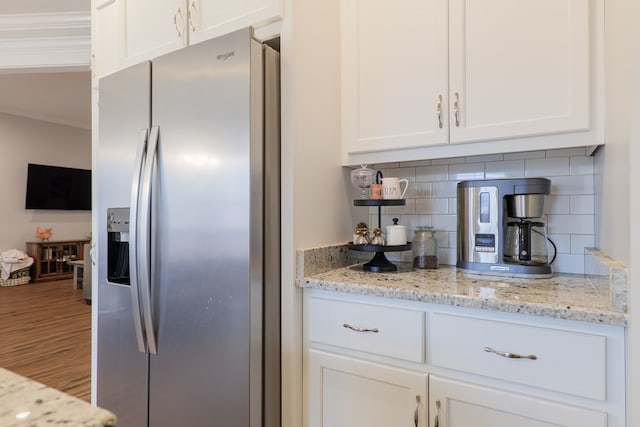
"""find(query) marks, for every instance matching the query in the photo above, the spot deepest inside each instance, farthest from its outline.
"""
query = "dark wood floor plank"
(45, 335)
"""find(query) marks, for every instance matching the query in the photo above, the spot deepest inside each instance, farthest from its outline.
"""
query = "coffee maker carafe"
(525, 240)
(501, 227)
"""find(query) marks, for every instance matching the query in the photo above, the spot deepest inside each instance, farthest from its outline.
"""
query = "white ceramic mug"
(391, 188)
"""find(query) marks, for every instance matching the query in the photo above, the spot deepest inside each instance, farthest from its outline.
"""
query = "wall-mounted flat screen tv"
(58, 188)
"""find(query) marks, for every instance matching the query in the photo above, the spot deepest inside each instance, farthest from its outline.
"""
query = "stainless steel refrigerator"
(189, 238)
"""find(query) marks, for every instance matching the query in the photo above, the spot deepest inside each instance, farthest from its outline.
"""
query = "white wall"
(316, 208)
(617, 170)
(24, 141)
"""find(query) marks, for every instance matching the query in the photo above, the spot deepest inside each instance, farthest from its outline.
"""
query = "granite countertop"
(574, 297)
(27, 403)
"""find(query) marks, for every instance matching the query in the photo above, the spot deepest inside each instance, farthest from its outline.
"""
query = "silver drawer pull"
(510, 355)
(357, 329)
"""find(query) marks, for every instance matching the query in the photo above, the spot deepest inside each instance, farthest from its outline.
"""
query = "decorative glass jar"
(425, 248)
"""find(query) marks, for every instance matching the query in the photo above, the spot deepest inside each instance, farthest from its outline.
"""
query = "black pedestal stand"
(379, 263)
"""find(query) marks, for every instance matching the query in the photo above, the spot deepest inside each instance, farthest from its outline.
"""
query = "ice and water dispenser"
(118, 245)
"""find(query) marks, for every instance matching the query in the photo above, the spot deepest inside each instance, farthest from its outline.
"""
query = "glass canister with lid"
(425, 248)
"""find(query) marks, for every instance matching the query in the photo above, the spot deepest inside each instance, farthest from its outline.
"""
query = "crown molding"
(45, 42)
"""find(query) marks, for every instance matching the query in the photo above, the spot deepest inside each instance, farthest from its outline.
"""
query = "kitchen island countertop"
(573, 297)
(24, 402)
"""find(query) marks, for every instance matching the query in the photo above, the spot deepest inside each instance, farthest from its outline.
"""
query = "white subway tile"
(466, 171)
(525, 155)
(444, 189)
(583, 204)
(432, 206)
(402, 173)
(568, 263)
(444, 222)
(485, 158)
(432, 173)
(414, 221)
(581, 165)
(558, 205)
(417, 163)
(443, 239)
(505, 169)
(453, 239)
(562, 242)
(571, 224)
(447, 256)
(453, 205)
(547, 167)
(408, 208)
(419, 190)
(570, 185)
(581, 241)
(448, 161)
(566, 152)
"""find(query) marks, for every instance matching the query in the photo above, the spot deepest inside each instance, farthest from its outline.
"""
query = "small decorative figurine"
(44, 234)
(377, 237)
(362, 234)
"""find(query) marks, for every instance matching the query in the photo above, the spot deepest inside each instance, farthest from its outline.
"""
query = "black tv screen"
(58, 188)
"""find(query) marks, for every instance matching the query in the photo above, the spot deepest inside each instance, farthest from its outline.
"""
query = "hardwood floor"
(45, 335)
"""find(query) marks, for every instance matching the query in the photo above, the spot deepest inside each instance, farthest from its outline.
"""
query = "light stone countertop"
(27, 403)
(572, 297)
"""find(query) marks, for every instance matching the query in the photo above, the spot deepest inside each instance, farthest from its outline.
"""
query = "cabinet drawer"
(568, 362)
(380, 330)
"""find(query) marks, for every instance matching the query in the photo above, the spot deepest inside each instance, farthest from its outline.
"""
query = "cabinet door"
(458, 404)
(152, 28)
(394, 74)
(518, 68)
(347, 392)
(105, 37)
(211, 18)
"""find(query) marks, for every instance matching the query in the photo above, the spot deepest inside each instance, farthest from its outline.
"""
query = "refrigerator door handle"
(133, 246)
(145, 239)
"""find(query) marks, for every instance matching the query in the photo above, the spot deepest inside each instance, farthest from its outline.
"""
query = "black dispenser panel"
(118, 246)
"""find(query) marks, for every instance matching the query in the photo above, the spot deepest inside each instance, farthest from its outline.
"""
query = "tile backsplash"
(431, 198)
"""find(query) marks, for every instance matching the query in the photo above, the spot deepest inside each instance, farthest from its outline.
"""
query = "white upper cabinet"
(131, 31)
(208, 19)
(394, 74)
(152, 28)
(424, 79)
(518, 68)
(104, 41)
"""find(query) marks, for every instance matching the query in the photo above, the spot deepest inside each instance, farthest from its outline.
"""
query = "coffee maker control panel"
(485, 243)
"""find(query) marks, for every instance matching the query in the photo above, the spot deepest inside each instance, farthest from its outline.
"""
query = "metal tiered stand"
(379, 263)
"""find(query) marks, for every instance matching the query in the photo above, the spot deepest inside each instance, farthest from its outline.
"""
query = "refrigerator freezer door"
(201, 236)
(124, 109)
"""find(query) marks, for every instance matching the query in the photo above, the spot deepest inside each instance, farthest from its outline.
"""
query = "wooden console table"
(51, 259)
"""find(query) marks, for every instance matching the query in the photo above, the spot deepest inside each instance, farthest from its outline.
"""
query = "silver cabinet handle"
(456, 109)
(439, 111)
(510, 355)
(416, 415)
(179, 26)
(436, 421)
(193, 8)
(357, 329)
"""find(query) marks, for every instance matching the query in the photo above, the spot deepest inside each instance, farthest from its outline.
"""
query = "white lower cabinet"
(458, 404)
(348, 392)
(372, 361)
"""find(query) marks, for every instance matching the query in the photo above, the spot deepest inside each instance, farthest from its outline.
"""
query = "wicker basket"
(18, 277)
